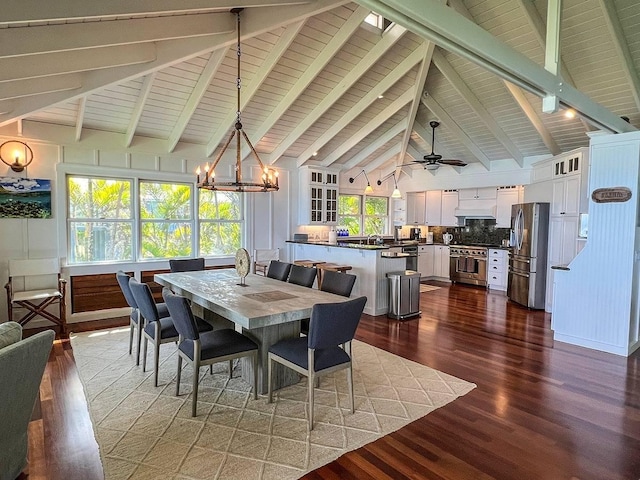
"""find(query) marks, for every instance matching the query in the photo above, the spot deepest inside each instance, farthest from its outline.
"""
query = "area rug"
(146, 432)
(428, 288)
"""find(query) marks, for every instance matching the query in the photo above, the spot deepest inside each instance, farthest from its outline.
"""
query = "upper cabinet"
(318, 196)
(506, 198)
(415, 208)
(485, 193)
(433, 208)
(449, 205)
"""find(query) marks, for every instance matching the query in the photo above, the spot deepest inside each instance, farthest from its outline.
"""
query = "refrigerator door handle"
(513, 272)
(519, 228)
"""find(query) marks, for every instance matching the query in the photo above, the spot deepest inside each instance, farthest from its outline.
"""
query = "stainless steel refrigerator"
(528, 255)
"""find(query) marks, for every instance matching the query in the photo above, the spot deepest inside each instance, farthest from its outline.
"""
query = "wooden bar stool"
(330, 266)
(308, 263)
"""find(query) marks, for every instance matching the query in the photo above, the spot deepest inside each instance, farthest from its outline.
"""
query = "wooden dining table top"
(262, 302)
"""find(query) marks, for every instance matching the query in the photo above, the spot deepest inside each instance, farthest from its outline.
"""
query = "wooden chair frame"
(36, 301)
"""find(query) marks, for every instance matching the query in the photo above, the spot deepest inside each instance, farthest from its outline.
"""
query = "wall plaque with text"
(610, 195)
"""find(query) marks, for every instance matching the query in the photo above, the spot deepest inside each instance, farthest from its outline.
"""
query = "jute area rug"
(146, 432)
(428, 288)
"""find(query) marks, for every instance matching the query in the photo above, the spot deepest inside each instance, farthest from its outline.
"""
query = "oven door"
(466, 269)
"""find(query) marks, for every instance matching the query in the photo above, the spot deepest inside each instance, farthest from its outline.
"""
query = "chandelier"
(269, 175)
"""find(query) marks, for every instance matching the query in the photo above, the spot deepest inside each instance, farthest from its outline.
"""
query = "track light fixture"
(369, 188)
(396, 192)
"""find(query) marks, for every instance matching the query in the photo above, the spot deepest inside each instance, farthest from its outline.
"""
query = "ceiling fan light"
(432, 166)
(396, 193)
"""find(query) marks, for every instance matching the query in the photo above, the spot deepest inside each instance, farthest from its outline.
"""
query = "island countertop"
(358, 246)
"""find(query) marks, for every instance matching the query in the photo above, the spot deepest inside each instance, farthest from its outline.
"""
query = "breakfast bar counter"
(370, 263)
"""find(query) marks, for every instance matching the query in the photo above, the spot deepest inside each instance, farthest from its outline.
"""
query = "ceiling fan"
(432, 161)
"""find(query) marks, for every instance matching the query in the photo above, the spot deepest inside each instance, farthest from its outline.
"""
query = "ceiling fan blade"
(453, 162)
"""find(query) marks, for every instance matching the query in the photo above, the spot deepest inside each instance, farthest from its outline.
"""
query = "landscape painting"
(25, 198)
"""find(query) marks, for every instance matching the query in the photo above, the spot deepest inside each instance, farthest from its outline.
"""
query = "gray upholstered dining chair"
(278, 270)
(186, 264)
(304, 276)
(332, 325)
(206, 348)
(156, 329)
(333, 282)
(134, 317)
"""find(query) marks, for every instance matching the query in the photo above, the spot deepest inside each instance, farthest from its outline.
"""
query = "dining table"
(264, 309)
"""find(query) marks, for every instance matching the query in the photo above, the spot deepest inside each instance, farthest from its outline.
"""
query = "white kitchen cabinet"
(506, 197)
(497, 269)
(565, 199)
(415, 208)
(441, 262)
(318, 197)
(433, 208)
(425, 260)
(484, 193)
(449, 205)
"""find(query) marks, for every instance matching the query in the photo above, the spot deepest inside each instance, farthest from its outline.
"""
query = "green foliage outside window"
(220, 215)
(349, 212)
(372, 222)
(100, 225)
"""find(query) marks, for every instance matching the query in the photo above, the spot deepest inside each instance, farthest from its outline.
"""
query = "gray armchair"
(22, 364)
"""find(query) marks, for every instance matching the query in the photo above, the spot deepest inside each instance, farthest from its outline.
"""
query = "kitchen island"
(370, 263)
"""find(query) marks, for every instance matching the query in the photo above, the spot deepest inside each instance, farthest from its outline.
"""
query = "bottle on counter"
(332, 236)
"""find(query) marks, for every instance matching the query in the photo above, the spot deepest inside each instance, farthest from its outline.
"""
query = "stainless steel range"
(468, 264)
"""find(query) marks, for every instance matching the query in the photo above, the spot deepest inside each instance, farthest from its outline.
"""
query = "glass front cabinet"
(318, 196)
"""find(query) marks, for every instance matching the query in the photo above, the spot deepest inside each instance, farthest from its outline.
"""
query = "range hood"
(488, 212)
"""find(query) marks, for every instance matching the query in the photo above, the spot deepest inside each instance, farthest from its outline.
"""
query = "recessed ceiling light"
(380, 96)
(314, 153)
(570, 113)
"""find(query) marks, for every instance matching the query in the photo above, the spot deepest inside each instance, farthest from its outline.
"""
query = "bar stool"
(334, 267)
(309, 263)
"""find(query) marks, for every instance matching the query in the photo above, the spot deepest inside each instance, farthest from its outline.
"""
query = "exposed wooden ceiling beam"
(421, 79)
(171, 52)
(451, 125)
(35, 10)
(622, 47)
(387, 40)
(476, 105)
(450, 30)
(39, 86)
(57, 63)
(249, 90)
(80, 117)
(384, 157)
(328, 52)
(139, 107)
(376, 144)
(374, 123)
(519, 96)
(76, 36)
(208, 72)
(372, 96)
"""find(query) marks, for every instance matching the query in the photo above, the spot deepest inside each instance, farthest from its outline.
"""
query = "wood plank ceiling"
(319, 85)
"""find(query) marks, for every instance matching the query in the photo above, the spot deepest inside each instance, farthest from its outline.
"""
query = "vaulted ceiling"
(318, 84)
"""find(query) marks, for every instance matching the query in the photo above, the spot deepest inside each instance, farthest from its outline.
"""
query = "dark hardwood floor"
(541, 410)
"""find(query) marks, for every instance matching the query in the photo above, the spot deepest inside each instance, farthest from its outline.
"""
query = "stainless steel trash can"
(404, 294)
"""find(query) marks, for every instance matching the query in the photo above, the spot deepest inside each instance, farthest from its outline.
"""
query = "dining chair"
(320, 353)
(186, 264)
(206, 348)
(262, 257)
(300, 275)
(135, 317)
(156, 329)
(338, 283)
(333, 282)
(278, 270)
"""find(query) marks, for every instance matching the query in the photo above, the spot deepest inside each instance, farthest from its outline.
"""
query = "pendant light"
(269, 175)
(396, 192)
(368, 189)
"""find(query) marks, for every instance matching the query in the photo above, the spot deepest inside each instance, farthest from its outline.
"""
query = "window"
(165, 220)
(100, 219)
(372, 221)
(124, 220)
(220, 215)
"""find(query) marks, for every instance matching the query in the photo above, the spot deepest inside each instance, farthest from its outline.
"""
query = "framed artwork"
(25, 198)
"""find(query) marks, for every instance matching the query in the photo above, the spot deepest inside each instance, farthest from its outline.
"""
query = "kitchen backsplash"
(476, 231)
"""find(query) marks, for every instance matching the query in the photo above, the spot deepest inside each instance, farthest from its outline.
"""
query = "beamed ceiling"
(316, 79)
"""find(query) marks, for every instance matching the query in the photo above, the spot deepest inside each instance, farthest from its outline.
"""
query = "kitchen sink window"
(364, 215)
